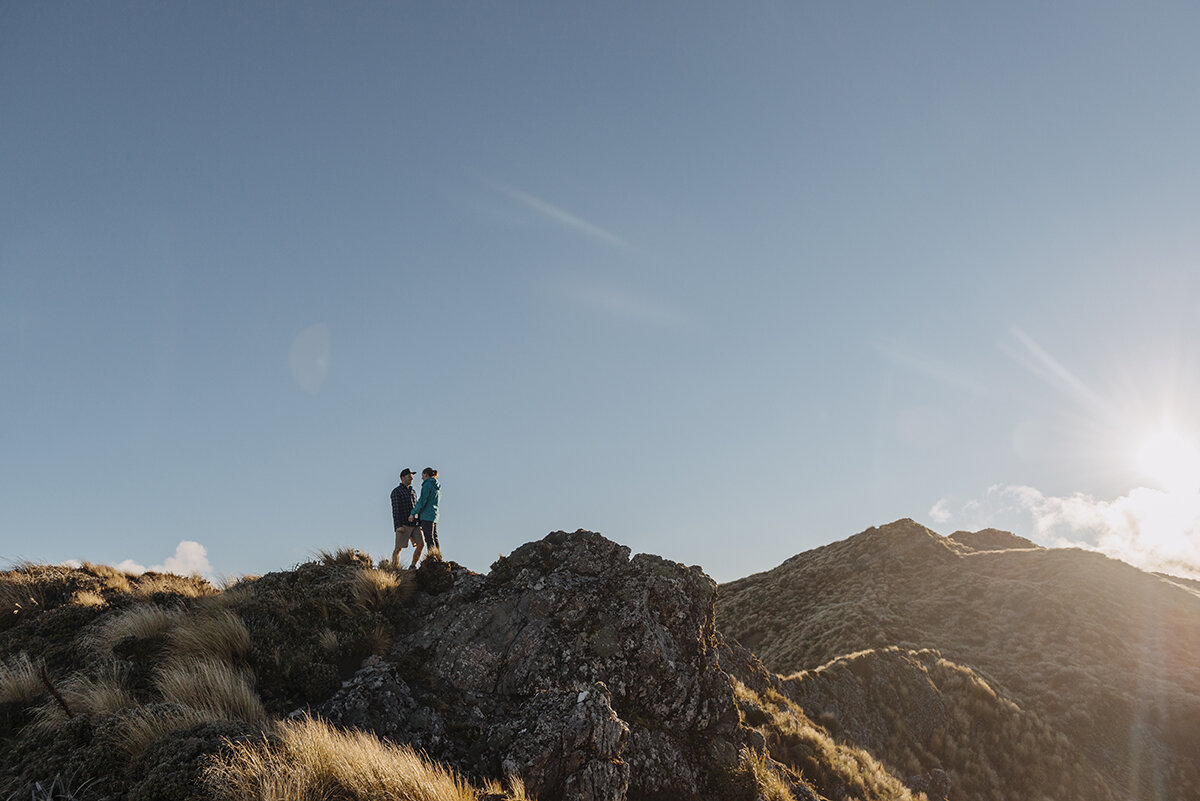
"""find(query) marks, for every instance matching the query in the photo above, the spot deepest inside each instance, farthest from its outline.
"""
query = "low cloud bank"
(1148, 528)
(191, 558)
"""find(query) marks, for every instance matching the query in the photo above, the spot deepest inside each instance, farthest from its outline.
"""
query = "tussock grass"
(770, 784)
(142, 622)
(111, 578)
(376, 589)
(21, 591)
(346, 557)
(309, 760)
(149, 585)
(328, 641)
(87, 598)
(20, 680)
(218, 634)
(102, 693)
(211, 686)
(148, 724)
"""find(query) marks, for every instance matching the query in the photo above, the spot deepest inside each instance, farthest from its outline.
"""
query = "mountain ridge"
(1098, 650)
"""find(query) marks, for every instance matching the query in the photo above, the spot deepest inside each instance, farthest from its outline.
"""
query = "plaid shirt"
(403, 500)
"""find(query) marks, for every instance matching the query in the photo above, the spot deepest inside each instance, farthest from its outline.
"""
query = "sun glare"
(1170, 459)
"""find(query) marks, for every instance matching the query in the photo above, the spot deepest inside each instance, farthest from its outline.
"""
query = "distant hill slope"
(1103, 654)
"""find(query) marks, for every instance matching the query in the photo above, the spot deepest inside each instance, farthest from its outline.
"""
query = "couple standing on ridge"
(415, 519)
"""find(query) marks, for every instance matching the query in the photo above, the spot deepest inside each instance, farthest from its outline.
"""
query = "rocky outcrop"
(591, 675)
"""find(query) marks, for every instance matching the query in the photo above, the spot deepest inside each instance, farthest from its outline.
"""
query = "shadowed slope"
(1103, 652)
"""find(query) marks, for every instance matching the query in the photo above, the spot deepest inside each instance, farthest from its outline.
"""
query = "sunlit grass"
(211, 686)
(309, 760)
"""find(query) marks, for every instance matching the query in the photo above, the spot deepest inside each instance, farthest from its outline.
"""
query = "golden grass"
(375, 589)
(148, 585)
(87, 598)
(211, 686)
(148, 724)
(21, 591)
(111, 578)
(20, 680)
(217, 634)
(800, 744)
(349, 557)
(514, 791)
(142, 622)
(328, 641)
(771, 786)
(313, 761)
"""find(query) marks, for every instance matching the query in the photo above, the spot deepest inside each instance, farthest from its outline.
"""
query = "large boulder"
(591, 675)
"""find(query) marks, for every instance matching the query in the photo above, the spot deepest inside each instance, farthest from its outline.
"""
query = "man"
(403, 500)
(425, 512)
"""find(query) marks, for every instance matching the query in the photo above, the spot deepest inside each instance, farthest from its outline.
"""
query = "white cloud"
(191, 558)
(940, 512)
(1148, 528)
(309, 357)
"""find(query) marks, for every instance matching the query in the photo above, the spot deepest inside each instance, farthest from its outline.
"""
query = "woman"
(425, 513)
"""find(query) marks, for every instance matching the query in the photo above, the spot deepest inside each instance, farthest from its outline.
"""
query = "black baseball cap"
(406, 472)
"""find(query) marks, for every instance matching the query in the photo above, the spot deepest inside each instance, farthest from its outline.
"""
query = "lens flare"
(1170, 459)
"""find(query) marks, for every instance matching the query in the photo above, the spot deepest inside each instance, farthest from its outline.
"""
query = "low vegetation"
(308, 760)
(131, 662)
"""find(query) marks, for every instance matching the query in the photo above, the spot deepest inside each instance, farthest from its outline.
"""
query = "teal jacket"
(427, 504)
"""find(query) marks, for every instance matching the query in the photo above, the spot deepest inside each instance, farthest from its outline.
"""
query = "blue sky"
(724, 282)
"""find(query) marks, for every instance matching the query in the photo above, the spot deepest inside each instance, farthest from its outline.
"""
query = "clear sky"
(723, 282)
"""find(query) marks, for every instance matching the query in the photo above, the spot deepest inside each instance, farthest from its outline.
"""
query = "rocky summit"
(589, 674)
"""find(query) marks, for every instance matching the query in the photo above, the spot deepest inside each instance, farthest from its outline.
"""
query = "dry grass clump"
(148, 585)
(20, 680)
(309, 760)
(218, 634)
(111, 578)
(144, 725)
(329, 642)
(101, 693)
(346, 557)
(87, 598)
(22, 590)
(376, 589)
(211, 686)
(771, 785)
(143, 622)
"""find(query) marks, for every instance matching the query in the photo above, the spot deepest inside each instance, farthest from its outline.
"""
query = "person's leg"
(433, 535)
(418, 545)
(401, 538)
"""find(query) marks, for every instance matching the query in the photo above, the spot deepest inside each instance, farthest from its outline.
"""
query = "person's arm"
(422, 501)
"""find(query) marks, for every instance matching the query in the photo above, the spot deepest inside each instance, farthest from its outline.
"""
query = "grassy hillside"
(1082, 647)
(157, 686)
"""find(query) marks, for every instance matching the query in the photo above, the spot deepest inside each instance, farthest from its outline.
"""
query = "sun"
(1172, 460)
